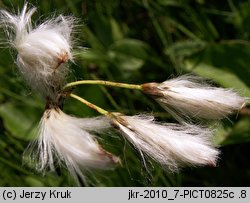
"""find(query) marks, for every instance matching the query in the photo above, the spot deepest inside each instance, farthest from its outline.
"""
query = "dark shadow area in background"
(233, 169)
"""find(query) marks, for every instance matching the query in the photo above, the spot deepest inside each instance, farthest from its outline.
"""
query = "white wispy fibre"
(190, 96)
(172, 145)
(43, 50)
(67, 140)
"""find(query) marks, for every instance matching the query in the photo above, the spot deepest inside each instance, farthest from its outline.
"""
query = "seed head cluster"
(43, 53)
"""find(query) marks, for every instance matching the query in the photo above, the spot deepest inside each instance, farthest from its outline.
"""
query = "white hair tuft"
(43, 50)
(172, 145)
(189, 96)
(64, 139)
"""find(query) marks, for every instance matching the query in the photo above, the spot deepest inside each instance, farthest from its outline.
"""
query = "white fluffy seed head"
(172, 145)
(190, 96)
(43, 50)
(67, 140)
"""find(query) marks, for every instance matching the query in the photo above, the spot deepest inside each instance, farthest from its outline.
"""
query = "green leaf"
(34, 182)
(184, 48)
(221, 76)
(22, 124)
(131, 47)
(129, 54)
(102, 28)
(92, 39)
(231, 56)
(239, 133)
(116, 30)
(92, 56)
(125, 62)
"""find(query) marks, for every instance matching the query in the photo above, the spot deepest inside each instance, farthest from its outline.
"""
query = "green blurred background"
(135, 41)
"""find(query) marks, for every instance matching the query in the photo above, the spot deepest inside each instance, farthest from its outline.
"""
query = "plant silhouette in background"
(43, 53)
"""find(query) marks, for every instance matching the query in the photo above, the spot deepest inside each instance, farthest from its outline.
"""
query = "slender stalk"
(103, 82)
(89, 104)
(108, 95)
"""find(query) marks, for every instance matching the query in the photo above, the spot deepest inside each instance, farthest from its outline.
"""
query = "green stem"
(103, 82)
(108, 95)
(90, 105)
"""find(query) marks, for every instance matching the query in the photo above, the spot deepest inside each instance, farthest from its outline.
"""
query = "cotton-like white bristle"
(172, 145)
(43, 50)
(67, 140)
(190, 96)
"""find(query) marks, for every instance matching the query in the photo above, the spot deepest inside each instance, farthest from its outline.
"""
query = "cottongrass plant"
(42, 51)
(172, 145)
(190, 96)
(42, 56)
(70, 140)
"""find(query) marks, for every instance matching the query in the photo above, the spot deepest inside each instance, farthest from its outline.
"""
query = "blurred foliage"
(136, 41)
